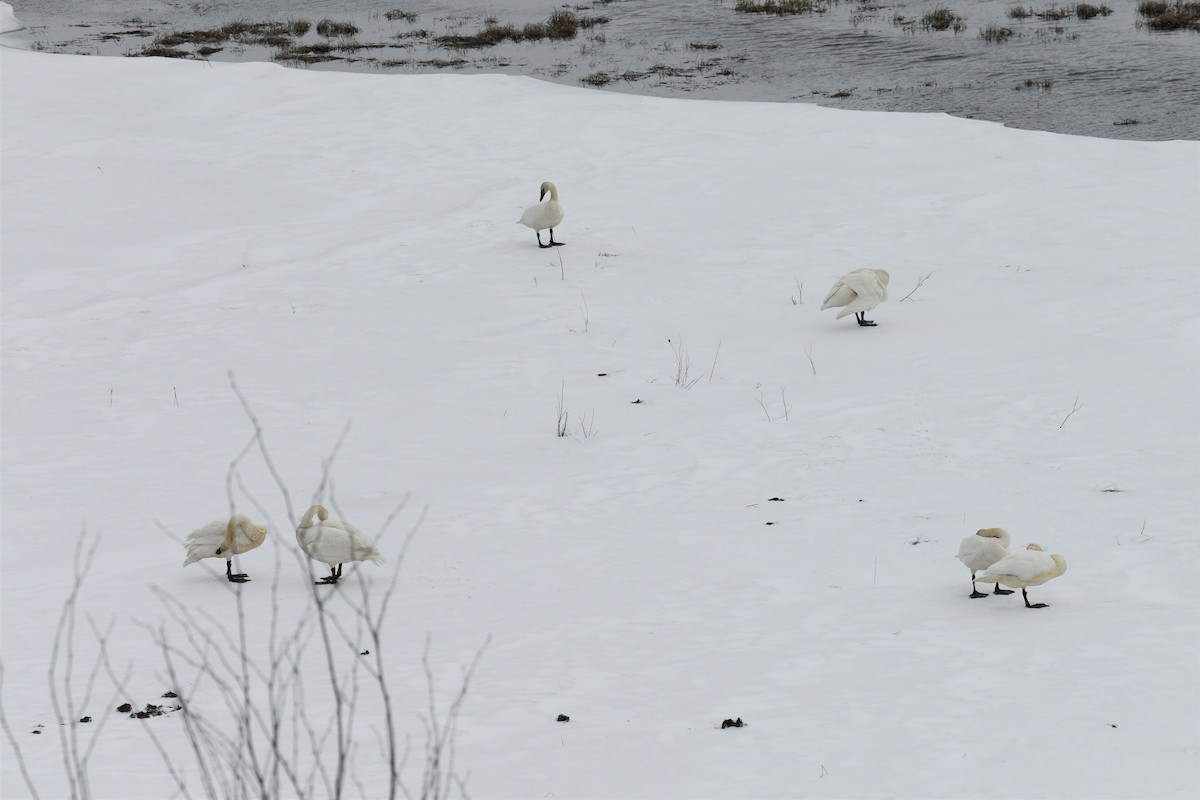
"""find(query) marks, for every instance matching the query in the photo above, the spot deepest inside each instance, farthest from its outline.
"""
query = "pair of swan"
(328, 541)
(857, 292)
(987, 550)
(544, 215)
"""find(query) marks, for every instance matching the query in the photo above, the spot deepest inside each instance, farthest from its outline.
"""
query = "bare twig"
(920, 282)
(12, 741)
(714, 366)
(762, 403)
(811, 363)
(563, 415)
(1075, 407)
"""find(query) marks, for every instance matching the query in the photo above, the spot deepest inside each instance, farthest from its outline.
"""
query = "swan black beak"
(542, 196)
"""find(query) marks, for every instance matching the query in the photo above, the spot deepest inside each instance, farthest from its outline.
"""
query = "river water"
(1106, 76)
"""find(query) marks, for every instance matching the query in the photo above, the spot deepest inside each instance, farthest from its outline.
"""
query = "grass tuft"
(995, 33)
(941, 19)
(780, 7)
(1169, 16)
(329, 28)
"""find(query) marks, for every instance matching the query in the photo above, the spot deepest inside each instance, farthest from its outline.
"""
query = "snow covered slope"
(346, 246)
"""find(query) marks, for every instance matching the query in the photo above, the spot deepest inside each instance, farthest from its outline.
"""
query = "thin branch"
(12, 740)
(1074, 407)
(920, 282)
(714, 366)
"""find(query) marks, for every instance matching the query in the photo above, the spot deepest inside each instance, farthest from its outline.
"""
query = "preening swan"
(980, 551)
(858, 291)
(544, 215)
(225, 539)
(334, 543)
(1028, 567)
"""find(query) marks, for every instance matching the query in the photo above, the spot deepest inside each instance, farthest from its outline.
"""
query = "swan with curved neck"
(225, 539)
(857, 292)
(544, 215)
(982, 549)
(334, 543)
(1029, 567)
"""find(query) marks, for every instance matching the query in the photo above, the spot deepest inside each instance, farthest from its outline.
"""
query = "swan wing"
(335, 542)
(1023, 566)
(542, 216)
(204, 541)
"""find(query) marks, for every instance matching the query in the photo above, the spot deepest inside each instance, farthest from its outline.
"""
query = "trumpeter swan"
(225, 540)
(334, 543)
(544, 215)
(1028, 567)
(982, 549)
(858, 291)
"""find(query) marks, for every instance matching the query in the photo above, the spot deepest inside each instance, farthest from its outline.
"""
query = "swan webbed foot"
(234, 577)
(977, 593)
(861, 318)
(998, 590)
(333, 576)
(1031, 605)
(544, 246)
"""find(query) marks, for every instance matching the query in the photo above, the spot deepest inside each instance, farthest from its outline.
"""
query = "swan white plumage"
(544, 215)
(982, 549)
(334, 543)
(1029, 567)
(225, 539)
(857, 292)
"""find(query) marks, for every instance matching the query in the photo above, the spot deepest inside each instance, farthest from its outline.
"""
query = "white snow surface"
(343, 244)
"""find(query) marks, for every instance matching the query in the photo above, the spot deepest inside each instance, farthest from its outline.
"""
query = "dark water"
(1106, 76)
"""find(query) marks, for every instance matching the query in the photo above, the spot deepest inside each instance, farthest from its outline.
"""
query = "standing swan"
(1028, 567)
(225, 540)
(544, 215)
(981, 550)
(334, 543)
(859, 291)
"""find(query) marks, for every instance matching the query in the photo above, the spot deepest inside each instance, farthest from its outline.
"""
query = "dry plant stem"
(714, 366)
(439, 734)
(920, 282)
(1074, 407)
(122, 690)
(563, 415)
(811, 363)
(262, 446)
(65, 710)
(12, 741)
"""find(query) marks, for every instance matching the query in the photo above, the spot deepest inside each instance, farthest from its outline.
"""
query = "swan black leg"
(998, 590)
(1027, 603)
(861, 316)
(233, 577)
(333, 576)
(552, 242)
(545, 246)
(974, 590)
